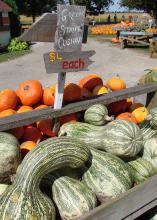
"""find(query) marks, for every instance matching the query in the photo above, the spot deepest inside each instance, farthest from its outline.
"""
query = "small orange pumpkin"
(7, 112)
(85, 93)
(8, 99)
(90, 81)
(32, 134)
(26, 147)
(127, 116)
(49, 96)
(46, 127)
(24, 108)
(30, 92)
(135, 106)
(140, 114)
(68, 118)
(116, 84)
(17, 132)
(72, 92)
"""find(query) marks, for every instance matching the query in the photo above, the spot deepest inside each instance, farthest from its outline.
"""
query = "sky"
(116, 6)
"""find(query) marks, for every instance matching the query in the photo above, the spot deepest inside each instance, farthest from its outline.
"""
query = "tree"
(149, 6)
(15, 27)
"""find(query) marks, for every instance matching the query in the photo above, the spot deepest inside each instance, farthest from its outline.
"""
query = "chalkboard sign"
(70, 27)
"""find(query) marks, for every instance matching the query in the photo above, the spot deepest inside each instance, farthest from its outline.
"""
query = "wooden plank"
(43, 30)
(134, 40)
(36, 115)
(67, 61)
(128, 206)
(70, 26)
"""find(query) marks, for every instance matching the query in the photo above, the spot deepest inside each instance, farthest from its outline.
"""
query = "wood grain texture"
(70, 27)
(36, 115)
(43, 30)
(78, 61)
(130, 205)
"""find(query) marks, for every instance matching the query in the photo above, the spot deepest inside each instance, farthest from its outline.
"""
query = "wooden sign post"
(67, 55)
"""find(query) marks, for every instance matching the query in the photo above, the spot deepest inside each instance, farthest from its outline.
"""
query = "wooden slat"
(128, 206)
(36, 115)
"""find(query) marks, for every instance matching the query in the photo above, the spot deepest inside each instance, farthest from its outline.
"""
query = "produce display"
(97, 155)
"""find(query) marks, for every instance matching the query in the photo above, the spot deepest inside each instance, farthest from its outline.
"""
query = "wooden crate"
(135, 201)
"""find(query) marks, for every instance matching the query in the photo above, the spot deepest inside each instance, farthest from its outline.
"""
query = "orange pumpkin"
(72, 92)
(17, 132)
(24, 108)
(48, 96)
(140, 114)
(8, 99)
(127, 116)
(7, 112)
(46, 127)
(135, 106)
(30, 92)
(41, 106)
(116, 84)
(68, 118)
(26, 147)
(118, 107)
(90, 81)
(32, 134)
(85, 93)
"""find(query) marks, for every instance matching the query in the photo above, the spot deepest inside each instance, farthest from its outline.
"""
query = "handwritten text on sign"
(67, 61)
(70, 28)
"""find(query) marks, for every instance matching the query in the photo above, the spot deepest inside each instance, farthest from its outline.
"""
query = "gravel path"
(109, 60)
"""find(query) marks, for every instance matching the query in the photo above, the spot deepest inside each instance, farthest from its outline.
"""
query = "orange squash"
(32, 134)
(85, 93)
(8, 99)
(17, 132)
(116, 84)
(46, 127)
(72, 92)
(140, 114)
(127, 116)
(26, 147)
(68, 118)
(24, 108)
(48, 96)
(7, 112)
(30, 92)
(90, 81)
(99, 90)
(135, 106)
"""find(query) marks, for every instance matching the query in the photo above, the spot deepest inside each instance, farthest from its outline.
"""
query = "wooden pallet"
(135, 201)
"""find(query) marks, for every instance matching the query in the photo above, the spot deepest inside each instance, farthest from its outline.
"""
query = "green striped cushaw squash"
(147, 131)
(10, 157)
(152, 117)
(24, 200)
(97, 115)
(150, 150)
(72, 197)
(107, 175)
(90, 134)
(141, 170)
(3, 187)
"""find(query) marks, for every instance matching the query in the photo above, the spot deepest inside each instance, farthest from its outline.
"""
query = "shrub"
(17, 45)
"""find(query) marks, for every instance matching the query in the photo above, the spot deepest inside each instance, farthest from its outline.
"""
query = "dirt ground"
(109, 61)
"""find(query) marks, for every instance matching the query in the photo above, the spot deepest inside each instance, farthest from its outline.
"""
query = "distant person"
(123, 18)
(130, 18)
(109, 19)
(93, 21)
(115, 18)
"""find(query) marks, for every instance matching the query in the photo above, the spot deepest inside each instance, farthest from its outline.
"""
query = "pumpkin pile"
(103, 30)
(96, 156)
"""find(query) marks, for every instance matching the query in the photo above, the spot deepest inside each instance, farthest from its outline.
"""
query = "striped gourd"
(72, 197)
(153, 118)
(3, 187)
(9, 156)
(150, 150)
(119, 137)
(141, 170)
(147, 130)
(97, 115)
(90, 134)
(24, 200)
(108, 176)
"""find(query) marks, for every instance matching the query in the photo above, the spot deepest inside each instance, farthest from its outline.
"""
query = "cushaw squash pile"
(93, 159)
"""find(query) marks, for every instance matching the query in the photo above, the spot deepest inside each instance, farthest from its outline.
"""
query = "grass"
(6, 55)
